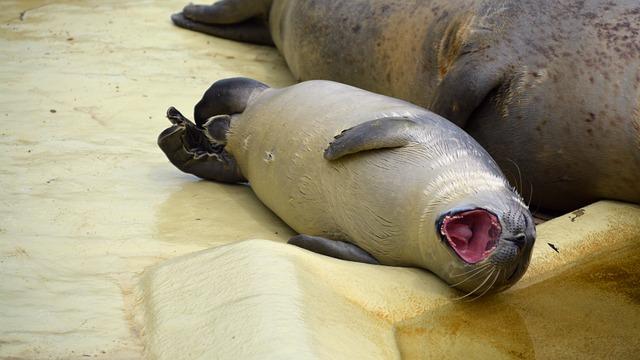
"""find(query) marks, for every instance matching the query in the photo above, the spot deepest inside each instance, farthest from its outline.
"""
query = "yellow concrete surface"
(257, 299)
(89, 202)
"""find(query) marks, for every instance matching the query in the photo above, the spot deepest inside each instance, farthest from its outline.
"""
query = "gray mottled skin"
(386, 201)
(551, 88)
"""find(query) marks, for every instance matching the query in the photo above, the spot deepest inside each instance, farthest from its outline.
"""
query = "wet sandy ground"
(89, 201)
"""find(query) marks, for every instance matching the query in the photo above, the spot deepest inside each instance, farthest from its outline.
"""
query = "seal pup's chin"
(473, 235)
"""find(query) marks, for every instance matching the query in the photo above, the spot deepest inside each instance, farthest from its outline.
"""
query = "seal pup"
(550, 88)
(361, 177)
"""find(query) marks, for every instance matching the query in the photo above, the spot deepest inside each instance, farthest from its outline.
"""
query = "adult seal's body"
(361, 177)
(550, 88)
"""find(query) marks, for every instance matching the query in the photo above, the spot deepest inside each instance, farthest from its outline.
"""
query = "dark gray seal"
(551, 88)
(361, 177)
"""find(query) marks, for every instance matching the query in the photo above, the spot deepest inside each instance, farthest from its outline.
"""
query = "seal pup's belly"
(279, 143)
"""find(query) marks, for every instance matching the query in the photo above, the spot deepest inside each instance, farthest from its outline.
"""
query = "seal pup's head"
(476, 233)
(488, 238)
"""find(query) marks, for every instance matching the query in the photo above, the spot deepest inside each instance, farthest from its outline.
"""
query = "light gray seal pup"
(361, 177)
(550, 88)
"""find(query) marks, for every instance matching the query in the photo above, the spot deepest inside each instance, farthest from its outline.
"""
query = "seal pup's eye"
(473, 234)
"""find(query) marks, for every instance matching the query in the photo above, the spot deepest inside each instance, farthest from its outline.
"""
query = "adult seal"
(375, 179)
(550, 88)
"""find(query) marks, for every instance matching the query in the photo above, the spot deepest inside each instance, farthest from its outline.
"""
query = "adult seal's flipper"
(381, 133)
(192, 151)
(252, 31)
(239, 20)
(334, 248)
(457, 103)
(227, 11)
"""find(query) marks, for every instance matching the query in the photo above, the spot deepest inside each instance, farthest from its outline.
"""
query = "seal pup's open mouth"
(473, 234)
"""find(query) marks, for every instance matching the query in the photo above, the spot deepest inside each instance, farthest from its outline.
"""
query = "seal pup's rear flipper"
(381, 133)
(334, 248)
(191, 150)
(240, 20)
(226, 97)
(199, 148)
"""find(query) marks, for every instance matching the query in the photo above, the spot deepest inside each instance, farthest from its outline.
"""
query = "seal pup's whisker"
(519, 184)
(488, 287)
(478, 287)
(469, 277)
(472, 270)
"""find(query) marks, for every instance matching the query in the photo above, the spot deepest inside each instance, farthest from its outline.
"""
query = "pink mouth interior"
(473, 234)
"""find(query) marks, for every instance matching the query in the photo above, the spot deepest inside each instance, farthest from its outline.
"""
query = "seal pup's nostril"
(519, 240)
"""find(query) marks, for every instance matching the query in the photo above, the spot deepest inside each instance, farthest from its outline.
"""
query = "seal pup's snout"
(494, 247)
(520, 231)
(473, 234)
(514, 251)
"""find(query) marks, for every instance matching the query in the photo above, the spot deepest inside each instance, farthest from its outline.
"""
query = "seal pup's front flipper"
(390, 132)
(239, 20)
(334, 248)
(191, 150)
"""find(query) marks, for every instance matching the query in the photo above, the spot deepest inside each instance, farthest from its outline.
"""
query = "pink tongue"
(460, 232)
(473, 235)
